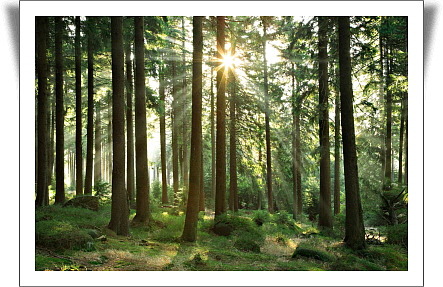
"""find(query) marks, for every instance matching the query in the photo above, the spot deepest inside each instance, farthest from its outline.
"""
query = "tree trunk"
(325, 214)
(185, 117)
(212, 136)
(337, 151)
(163, 136)
(90, 124)
(388, 137)
(202, 184)
(232, 144)
(141, 157)
(110, 137)
(354, 228)
(220, 185)
(192, 209)
(97, 144)
(129, 124)
(42, 109)
(119, 207)
(60, 115)
(400, 151)
(175, 124)
(78, 112)
(267, 127)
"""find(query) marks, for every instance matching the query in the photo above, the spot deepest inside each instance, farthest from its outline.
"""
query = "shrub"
(260, 217)
(397, 234)
(246, 244)
(102, 190)
(312, 252)
(58, 235)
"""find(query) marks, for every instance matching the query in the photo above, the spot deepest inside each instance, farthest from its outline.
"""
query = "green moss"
(43, 262)
(311, 252)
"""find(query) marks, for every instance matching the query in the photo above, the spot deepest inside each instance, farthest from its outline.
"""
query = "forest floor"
(77, 239)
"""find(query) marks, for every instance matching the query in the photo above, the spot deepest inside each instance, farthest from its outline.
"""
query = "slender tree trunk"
(185, 117)
(42, 109)
(97, 144)
(220, 185)
(90, 124)
(129, 124)
(60, 115)
(354, 228)
(141, 159)
(337, 151)
(51, 155)
(202, 184)
(406, 139)
(298, 160)
(110, 156)
(190, 228)
(400, 151)
(233, 144)
(267, 127)
(163, 136)
(325, 214)
(388, 138)
(213, 179)
(78, 112)
(382, 105)
(175, 124)
(296, 174)
(119, 207)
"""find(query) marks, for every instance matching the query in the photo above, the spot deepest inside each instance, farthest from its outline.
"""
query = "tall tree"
(163, 134)
(60, 114)
(90, 121)
(78, 112)
(401, 140)
(119, 207)
(233, 197)
(325, 214)
(267, 124)
(190, 228)
(184, 113)
(97, 145)
(42, 109)
(175, 129)
(141, 160)
(354, 228)
(129, 123)
(337, 151)
(213, 178)
(220, 185)
(388, 136)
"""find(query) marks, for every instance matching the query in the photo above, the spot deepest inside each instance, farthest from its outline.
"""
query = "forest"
(221, 143)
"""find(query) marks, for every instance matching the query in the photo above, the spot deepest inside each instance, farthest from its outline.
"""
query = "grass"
(66, 239)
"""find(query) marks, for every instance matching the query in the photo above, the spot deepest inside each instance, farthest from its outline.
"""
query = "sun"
(229, 61)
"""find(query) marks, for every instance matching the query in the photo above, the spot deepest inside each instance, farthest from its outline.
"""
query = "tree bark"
(119, 207)
(213, 179)
(163, 135)
(233, 205)
(175, 124)
(388, 137)
(354, 228)
(141, 157)
(192, 209)
(337, 151)
(97, 144)
(42, 109)
(184, 116)
(325, 213)
(129, 125)
(267, 126)
(78, 112)
(90, 124)
(60, 114)
(400, 150)
(220, 185)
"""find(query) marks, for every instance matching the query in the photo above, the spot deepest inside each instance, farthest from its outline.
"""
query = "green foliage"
(261, 216)
(310, 251)
(58, 235)
(397, 234)
(246, 244)
(103, 190)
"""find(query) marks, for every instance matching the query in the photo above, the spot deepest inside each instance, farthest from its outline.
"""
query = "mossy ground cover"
(77, 239)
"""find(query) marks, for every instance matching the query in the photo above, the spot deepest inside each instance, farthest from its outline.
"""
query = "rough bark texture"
(325, 213)
(212, 136)
(220, 169)
(185, 116)
(119, 207)
(141, 145)
(175, 124)
(97, 145)
(78, 112)
(233, 197)
(267, 126)
(388, 137)
(90, 123)
(354, 228)
(337, 155)
(400, 150)
(60, 115)
(42, 109)
(129, 124)
(192, 209)
(163, 136)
